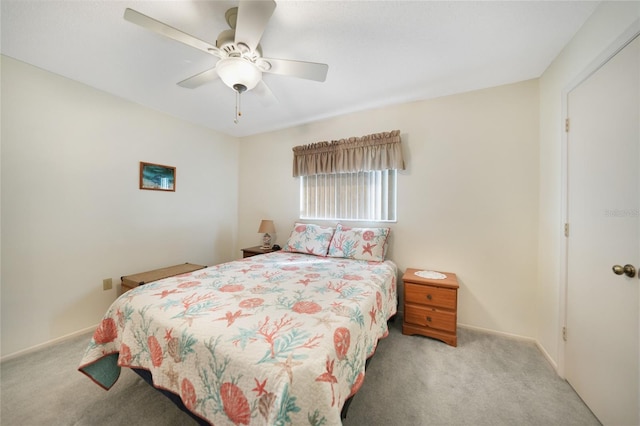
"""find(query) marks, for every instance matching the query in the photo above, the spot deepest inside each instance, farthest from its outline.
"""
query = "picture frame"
(157, 177)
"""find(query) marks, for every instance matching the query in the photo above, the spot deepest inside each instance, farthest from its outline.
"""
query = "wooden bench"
(130, 282)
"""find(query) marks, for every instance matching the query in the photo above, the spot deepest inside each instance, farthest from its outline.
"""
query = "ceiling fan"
(241, 62)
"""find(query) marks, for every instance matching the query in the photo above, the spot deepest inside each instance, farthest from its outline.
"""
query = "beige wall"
(72, 213)
(608, 22)
(467, 203)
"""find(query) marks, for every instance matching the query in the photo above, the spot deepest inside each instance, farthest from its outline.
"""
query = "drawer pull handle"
(429, 296)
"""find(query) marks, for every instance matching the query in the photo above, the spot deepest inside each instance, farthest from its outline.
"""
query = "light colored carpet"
(486, 380)
(412, 380)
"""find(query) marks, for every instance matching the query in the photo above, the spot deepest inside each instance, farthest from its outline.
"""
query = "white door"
(603, 330)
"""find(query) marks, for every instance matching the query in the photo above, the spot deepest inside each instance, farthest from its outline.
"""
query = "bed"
(280, 338)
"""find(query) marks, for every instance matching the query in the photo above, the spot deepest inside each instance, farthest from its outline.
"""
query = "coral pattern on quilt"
(275, 339)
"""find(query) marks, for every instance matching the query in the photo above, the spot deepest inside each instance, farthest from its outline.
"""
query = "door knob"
(627, 269)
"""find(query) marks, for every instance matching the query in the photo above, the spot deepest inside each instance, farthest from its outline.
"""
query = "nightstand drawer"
(429, 295)
(431, 318)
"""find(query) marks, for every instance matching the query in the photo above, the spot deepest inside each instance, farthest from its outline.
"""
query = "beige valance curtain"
(379, 151)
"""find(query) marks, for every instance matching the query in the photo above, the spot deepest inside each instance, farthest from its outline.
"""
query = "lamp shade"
(234, 71)
(267, 227)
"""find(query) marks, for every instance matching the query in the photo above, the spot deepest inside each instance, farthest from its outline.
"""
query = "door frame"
(616, 46)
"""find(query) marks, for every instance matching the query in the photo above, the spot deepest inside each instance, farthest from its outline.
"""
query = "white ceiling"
(379, 52)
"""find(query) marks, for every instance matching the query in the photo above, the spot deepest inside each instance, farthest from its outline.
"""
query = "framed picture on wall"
(157, 177)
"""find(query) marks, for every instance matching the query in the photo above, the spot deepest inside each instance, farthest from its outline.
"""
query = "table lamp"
(266, 227)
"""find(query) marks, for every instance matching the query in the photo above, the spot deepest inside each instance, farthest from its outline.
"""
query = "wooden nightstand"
(129, 282)
(431, 306)
(253, 251)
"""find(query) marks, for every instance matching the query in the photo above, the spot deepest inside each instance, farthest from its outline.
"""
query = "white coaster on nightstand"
(432, 275)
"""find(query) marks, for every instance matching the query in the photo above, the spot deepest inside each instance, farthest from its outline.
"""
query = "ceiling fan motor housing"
(226, 43)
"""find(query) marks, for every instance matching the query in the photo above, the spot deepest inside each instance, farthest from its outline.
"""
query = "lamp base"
(266, 241)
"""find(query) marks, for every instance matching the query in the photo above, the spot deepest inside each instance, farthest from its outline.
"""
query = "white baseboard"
(48, 343)
(499, 333)
(549, 359)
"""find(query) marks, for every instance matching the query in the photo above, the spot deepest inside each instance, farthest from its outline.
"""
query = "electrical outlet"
(107, 284)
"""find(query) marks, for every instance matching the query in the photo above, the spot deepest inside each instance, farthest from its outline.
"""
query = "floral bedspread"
(275, 339)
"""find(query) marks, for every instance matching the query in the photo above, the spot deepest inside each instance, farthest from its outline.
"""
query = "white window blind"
(364, 195)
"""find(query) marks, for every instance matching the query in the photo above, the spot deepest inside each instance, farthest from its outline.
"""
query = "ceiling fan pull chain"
(238, 113)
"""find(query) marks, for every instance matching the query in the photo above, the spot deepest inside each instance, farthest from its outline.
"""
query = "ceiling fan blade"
(264, 94)
(307, 70)
(199, 79)
(253, 17)
(168, 31)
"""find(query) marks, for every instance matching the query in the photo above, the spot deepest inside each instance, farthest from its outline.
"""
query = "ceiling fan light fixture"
(238, 72)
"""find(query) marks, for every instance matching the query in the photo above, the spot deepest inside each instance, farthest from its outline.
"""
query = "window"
(364, 195)
(350, 179)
